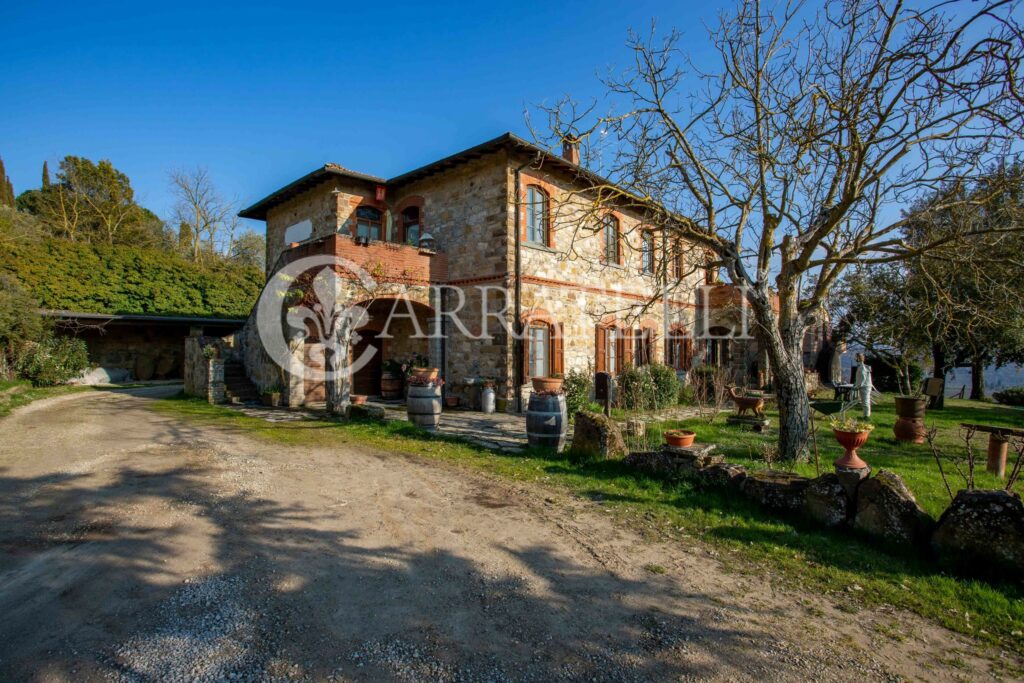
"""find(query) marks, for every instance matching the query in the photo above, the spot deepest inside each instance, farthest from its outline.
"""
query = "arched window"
(411, 225)
(647, 251)
(369, 223)
(543, 353)
(611, 239)
(537, 215)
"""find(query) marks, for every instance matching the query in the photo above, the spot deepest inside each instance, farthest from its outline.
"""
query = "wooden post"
(998, 447)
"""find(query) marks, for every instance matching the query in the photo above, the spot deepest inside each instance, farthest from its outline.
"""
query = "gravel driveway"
(135, 546)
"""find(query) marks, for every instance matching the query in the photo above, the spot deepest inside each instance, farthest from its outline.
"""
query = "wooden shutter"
(557, 349)
(600, 341)
(687, 354)
(625, 349)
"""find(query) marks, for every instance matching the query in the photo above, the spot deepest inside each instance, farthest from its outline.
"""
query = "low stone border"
(980, 532)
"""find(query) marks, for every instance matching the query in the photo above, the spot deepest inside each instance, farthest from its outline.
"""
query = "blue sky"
(262, 93)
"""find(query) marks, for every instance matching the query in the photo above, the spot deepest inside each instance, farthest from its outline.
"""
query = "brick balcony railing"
(386, 262)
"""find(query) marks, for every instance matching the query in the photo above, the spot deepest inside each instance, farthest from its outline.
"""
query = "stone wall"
(203, 376)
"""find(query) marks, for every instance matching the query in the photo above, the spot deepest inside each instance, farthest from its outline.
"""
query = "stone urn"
(547, 384)
(679, 438)
(851, 441)
(909, 424)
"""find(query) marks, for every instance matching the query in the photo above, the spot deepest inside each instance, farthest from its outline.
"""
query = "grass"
(17, 393)
(744, 537)
(913, 462)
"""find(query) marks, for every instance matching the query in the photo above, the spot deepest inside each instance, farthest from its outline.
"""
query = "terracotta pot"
(909, 429)
(451, 401)
(851, 441)
(679, 438)
(910, 406)
(547, 383)
(357, 399)
(424, 373)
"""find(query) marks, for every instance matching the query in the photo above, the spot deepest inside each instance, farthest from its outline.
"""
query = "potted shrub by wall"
(272, 396)
(909, 424)
(419, 368)
(550, 384)
(851, 435)
(679, 438)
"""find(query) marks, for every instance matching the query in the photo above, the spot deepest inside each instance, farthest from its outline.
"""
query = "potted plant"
(552, 383)
(851, 435)
(679, 438)
(451, 401)
(271, 395)
(392, 377)
(419, 367)
(910, 410)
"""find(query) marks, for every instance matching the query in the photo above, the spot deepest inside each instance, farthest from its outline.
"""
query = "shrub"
(577, 386)
(52, 361)
(886, 379)
(666, 385)
(686, 395)
(636, 389)
(1013, 396)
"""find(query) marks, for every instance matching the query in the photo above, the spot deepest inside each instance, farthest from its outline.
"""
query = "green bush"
(1013, 396)
(687, 397)
(635, 389)
(666, 385)
(577, 386)
(52, 361)
(96, 278)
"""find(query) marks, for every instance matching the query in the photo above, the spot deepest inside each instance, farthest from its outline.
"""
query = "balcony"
(386, 262)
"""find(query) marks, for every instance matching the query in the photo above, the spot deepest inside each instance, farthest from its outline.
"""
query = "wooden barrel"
(423, 406)
(546, 421)
(390, 386)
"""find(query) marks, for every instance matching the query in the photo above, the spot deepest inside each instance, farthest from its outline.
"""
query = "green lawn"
(747, 539)
(16, 393)
(914, 463)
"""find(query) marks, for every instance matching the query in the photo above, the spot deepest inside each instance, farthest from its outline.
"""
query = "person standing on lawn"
(863, 385)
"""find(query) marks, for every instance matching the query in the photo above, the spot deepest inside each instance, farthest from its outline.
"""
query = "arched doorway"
(390, 333)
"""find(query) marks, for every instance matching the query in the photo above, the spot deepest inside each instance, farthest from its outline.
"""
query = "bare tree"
(786, 161)
(211, 220)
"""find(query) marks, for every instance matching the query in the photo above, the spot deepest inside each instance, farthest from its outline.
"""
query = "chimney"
(571, 150)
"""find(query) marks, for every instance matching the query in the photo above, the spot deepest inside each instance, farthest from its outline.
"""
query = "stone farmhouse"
(506, 225)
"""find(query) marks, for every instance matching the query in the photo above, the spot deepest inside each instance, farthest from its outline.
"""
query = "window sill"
(617, 266)
(539, 247)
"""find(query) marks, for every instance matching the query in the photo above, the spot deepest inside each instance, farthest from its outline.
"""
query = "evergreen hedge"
(93, 278)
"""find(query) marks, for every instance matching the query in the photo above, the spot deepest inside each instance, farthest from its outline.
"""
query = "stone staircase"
(237, 387)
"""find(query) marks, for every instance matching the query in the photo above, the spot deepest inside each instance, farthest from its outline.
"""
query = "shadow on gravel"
(86, 593)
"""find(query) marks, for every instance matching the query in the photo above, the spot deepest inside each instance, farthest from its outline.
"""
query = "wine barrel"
(423, 406)
(390, 386)
(546, 421)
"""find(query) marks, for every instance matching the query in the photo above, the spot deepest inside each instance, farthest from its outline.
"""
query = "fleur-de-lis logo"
(322, 316)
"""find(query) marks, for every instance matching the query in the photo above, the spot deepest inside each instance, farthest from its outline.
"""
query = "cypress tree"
(46, 175)
(6, 189)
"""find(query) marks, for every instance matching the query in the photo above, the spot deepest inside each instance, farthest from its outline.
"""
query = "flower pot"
(910, 406)
(357, 399)
(451, 401)
(271, 398)
(550, 384)
(679, 438)
(391, 385)
(851, 441)
(424, 373)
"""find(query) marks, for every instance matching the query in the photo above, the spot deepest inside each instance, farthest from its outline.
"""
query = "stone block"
(596, 436)
(887, 508)
(983, 529)
(777, 490)
(825, 501)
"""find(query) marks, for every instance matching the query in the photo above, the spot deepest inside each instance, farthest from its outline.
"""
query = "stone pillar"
(215, 390)
(295, 392)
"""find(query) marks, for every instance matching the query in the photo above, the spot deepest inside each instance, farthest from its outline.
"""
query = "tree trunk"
(783, 348)
(938, 371)
(977, 379)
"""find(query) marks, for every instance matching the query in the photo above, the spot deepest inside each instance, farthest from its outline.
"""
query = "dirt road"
(135, 546)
